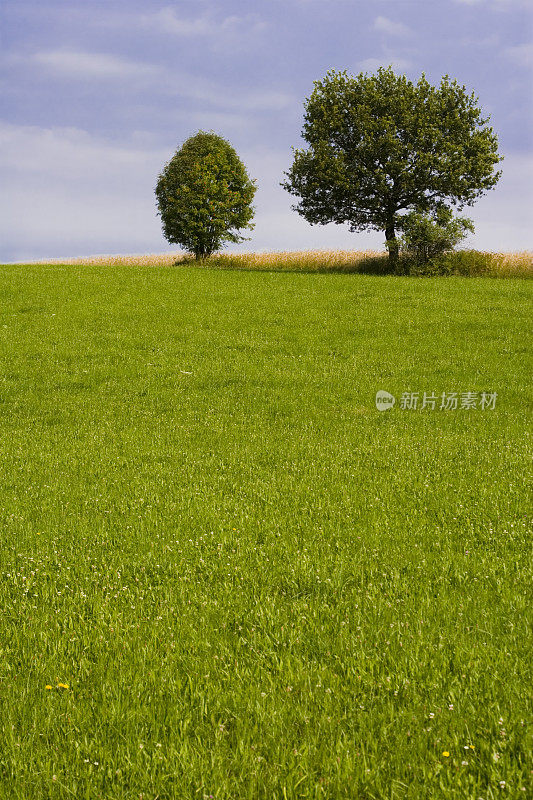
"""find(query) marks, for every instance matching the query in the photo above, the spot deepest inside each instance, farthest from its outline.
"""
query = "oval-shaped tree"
(204, 195)
(379, 144)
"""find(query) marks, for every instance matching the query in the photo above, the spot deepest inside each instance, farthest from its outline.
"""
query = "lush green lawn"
(254, 584)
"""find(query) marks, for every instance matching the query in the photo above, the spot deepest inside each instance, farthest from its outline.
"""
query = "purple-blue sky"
(98, 95)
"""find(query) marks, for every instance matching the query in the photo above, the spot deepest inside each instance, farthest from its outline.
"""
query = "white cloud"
(491, 40)
(79, 64)
(385, 25)
(496, 4)
(521, 54)
(167, 20)
(372, 64)
(69, 151)
(230, 99)
(503, 216)
(65, 191)
(76, 65)
(223, 122)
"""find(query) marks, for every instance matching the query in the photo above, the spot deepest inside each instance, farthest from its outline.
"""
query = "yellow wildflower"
(445, 754)
(47, 686)
(62, 685)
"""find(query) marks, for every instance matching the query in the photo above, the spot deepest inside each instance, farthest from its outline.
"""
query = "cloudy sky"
(97, 95)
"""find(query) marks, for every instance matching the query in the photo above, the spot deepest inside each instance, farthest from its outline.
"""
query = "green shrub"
(470, 263)
(375, 265)
(425, 236)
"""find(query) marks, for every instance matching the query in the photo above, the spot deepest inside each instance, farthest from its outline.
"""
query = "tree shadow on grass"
(465, 263)
(372, 265)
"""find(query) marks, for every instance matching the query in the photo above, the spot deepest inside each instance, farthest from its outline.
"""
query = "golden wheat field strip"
(498, 264)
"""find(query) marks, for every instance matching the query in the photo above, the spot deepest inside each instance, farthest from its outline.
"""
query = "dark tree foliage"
(380, 145)
(204, 195)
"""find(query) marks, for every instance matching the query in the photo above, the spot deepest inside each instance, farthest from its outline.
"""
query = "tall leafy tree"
(380, 145)
(204, 195)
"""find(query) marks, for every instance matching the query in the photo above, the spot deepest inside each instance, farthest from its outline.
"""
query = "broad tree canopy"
(379, 144)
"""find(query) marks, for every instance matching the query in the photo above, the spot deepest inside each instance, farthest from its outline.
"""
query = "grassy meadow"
(224, 573)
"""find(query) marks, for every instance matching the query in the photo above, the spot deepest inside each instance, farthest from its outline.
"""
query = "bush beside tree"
(425, 237)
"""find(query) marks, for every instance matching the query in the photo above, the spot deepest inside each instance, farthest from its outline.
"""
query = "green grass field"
(253, 583)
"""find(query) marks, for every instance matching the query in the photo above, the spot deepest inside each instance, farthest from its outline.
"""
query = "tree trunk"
(392, 244)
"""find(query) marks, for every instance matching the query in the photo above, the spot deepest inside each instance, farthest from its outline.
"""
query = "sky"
(97, 96)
